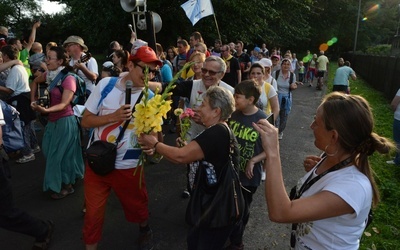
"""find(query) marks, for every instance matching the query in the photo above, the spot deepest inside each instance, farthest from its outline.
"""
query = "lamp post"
(358, 24)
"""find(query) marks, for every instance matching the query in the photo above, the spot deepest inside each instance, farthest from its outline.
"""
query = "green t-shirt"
(23, 56)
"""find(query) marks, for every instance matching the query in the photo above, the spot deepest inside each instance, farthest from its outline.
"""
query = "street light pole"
(358, 24)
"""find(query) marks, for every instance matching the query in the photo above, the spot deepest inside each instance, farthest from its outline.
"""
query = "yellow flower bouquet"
(149, 113)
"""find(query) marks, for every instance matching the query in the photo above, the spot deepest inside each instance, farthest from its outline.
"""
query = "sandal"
(63, 193)
(44, 245)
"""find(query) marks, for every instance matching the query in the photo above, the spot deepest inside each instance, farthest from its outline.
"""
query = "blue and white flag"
(197, 9)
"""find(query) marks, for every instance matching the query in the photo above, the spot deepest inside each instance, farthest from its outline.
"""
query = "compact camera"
(43, 101)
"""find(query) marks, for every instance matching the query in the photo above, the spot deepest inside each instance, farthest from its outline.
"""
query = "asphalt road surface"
(165, 182)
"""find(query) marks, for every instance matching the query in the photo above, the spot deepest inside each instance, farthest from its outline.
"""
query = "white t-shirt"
(2, 122)
(196, 98)
(92, 66)
(18, 80)
(128, 150)
(340, 232)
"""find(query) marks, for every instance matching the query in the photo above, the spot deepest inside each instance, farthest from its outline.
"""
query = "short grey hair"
(219, 97)
(219, 60)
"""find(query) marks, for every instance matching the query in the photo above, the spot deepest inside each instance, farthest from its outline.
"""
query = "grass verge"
(384, 232)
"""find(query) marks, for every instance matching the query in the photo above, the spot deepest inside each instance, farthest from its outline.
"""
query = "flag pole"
(216, 24)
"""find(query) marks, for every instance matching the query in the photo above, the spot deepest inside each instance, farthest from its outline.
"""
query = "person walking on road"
(330, 205)
(341, 80)
(322, 67)
(286, 82)
(107, 118)
(395, 105)
(61, 140)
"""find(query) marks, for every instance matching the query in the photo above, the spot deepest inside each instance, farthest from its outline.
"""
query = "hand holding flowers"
(184, 121)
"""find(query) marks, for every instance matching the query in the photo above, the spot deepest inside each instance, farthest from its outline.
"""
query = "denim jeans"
(396, 138)
(29, 138)
(13, 219)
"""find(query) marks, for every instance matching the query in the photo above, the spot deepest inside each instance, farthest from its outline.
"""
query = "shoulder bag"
(101, 155)
(226, 206)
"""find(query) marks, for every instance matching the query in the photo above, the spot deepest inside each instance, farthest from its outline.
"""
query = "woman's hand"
(38, 108)
(180, 143)
(269, 136)
(147, 143)
(310, 161)
(293, 86)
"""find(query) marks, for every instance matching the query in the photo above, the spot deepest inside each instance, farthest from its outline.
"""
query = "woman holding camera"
(331, 204)
(61, 143)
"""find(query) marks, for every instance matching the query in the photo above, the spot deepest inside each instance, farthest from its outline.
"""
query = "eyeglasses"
(154, 71)
(210, 72)
(51, 58)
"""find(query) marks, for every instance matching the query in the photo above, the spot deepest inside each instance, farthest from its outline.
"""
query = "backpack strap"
(58, 77)
(107, 89)
(277, 74)
(290, 78)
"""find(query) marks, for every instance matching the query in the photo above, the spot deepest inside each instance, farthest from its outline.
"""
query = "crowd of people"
(231, 92)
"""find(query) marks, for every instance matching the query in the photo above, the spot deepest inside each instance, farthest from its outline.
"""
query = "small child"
(36, 60)
(301, 71)
(246, 96)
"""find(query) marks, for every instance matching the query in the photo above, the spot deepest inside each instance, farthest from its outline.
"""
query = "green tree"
(15, 13)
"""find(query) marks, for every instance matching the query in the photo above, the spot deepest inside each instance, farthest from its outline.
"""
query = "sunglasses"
(154, 71)
(210, 72)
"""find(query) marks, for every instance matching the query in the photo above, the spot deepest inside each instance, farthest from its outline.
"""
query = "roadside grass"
(384, 232)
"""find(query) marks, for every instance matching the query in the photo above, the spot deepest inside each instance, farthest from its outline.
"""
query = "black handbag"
(101, 155)
(226, 206)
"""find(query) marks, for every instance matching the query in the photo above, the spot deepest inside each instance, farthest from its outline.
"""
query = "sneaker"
(45, 244)
(391, 162)
(146, 240)
(36, 149)
(185, 194)
(280, 136)
(26, 158)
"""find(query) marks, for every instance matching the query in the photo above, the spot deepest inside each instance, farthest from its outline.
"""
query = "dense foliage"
(294, 24)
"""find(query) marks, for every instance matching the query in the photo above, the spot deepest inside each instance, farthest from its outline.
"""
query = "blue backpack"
(13, 136)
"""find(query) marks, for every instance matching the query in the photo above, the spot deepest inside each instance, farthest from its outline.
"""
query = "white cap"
(108, 64)
(265, 62)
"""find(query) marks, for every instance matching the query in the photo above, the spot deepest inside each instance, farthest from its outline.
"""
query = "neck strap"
(309, 182)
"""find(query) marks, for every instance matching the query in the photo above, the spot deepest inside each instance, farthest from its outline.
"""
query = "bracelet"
(155, 145)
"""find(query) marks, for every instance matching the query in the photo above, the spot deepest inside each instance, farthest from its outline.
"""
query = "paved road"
(165, 183)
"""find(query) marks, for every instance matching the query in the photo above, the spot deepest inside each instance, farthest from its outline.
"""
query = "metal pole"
(358, 24)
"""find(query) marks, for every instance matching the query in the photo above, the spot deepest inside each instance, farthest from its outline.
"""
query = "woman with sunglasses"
(212, 71)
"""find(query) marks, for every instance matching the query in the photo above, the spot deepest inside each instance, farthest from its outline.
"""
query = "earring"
(328, 153)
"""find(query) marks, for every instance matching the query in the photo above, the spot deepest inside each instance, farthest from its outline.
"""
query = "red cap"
(146, 55)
